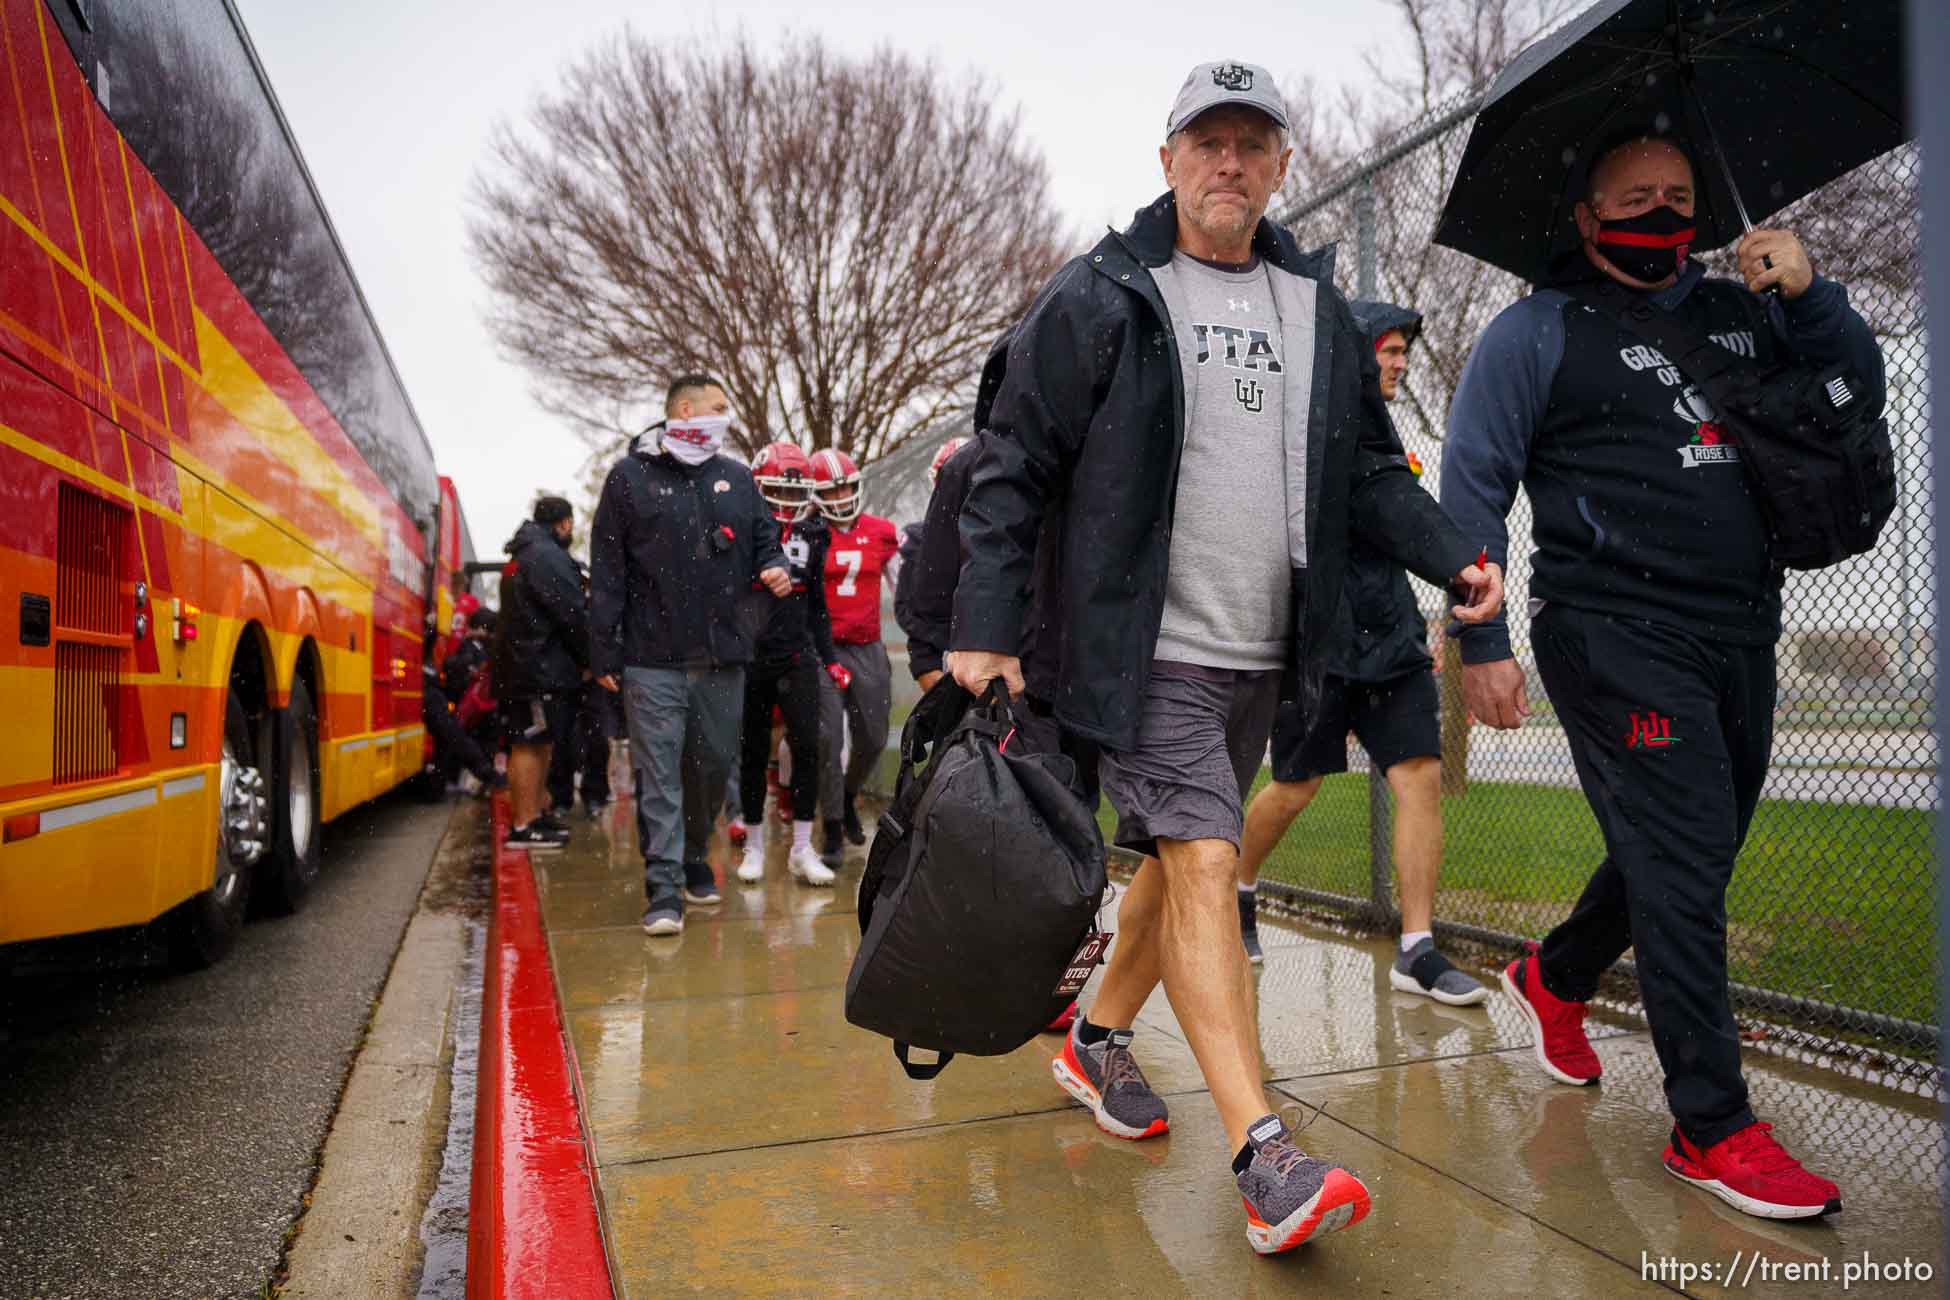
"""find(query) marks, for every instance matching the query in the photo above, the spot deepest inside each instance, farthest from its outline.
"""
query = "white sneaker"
(751, 869)
(804, 863)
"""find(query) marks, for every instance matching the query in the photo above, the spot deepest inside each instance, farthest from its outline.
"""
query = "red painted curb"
(532, 1225)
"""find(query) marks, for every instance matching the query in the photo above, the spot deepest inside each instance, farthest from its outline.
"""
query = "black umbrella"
(1800, 92)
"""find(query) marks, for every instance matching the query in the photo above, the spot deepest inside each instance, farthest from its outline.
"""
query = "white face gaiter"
(697, 439)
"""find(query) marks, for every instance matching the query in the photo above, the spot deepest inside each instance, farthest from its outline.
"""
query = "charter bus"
(220, 524)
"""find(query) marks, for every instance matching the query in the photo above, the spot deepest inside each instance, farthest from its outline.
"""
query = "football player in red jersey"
(862, 546)
(796, 641)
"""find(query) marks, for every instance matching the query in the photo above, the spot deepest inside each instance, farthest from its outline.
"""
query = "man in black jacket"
(1187, 427)
(541, 657)
(1656, 607)
(684, 564)
(930, 560)
(1381, 686)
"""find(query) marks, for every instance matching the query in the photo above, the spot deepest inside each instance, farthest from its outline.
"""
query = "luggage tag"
(1077, 973)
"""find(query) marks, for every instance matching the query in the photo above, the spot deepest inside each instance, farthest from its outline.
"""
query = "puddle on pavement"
(443, 1228)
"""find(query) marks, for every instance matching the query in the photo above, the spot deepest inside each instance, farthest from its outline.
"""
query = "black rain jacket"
(1079, 483)
(674, 551)
(541, 638)
(1383, 634)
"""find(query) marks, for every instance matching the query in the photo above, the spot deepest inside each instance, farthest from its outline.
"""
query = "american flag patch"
(1838, 392)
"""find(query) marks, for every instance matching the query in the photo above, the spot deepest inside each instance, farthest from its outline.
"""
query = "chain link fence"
(1832, 912)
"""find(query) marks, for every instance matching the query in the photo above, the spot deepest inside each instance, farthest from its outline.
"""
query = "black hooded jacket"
(541, 643)
(1079, 482)
(674, 552)
(1383, 635)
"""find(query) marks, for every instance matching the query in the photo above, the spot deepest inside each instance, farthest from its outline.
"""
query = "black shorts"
(537, 719)
(1394, 720)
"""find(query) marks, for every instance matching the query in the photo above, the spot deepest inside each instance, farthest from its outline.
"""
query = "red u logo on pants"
(1651, 730)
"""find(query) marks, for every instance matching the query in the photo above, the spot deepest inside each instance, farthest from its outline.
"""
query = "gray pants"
(865, 705)
(683, 734)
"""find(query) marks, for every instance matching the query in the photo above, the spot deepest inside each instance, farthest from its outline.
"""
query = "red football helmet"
(948, 449)
(840, 490)
(785, 480)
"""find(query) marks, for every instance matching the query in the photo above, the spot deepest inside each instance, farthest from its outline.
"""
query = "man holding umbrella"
(1656, 606)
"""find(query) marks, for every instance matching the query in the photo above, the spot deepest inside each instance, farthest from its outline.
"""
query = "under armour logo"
(1239, 304)
(1232, 76)
(1250, 394)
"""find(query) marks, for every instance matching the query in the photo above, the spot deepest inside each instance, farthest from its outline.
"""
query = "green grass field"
(1829, 901)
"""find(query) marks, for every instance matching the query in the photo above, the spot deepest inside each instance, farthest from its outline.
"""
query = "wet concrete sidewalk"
(749, 1140)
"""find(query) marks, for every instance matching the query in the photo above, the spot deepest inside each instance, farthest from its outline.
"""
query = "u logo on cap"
(1232, 76)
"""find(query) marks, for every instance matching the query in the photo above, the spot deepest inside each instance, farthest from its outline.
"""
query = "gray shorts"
(1201, 738)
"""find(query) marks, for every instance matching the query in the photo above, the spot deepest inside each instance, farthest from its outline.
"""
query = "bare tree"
(1456, 48)
(841, 239)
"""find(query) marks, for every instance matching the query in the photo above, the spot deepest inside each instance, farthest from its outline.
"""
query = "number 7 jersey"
(854, 564)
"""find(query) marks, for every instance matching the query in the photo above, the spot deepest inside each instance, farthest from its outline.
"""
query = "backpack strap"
(1720, 371)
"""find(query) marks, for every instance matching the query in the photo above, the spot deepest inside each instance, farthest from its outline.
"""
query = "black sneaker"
(664, 917)
(1249, 925)
(700, 886)
(548, 821)
(536, 835)
(850, 822)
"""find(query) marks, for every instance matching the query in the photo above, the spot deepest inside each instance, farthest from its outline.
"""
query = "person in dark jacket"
(1656, 608)
(453, 748)
(540, 659)
(684, 563)
(795, 643)
(1187, 428)
(1381, 686)
(930, 565)
(469, 655)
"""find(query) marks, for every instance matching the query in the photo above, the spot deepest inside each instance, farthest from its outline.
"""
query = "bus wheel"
(204, 929)
(292, 867)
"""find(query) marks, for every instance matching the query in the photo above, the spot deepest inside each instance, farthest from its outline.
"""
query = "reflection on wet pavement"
(749, 1140)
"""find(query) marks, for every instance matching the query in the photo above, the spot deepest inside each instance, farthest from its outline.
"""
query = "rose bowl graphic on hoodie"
(1710, 444)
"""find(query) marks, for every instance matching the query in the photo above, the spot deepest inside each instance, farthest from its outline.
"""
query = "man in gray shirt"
(1186, 428)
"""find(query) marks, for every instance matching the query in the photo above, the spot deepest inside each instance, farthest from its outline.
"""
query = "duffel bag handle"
(932, 719)
(921, 1071)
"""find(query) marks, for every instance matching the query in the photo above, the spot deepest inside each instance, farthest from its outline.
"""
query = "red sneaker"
(1562, 1049)
(1750, 1172)
(735, 831)
(1062, 1023)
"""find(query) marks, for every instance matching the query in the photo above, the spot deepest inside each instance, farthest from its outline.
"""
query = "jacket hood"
(651, 441)
(529, 534)
(1153, 233)
(1377, 318)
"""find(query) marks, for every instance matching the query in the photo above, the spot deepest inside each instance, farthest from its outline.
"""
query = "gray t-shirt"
(1229, 594)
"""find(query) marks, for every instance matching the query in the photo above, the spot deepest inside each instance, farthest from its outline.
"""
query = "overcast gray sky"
(392, 102)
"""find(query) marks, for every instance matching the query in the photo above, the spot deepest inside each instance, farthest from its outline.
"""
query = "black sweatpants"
(598, 717)
(566, 754)
(452, 746)
(794, 687)
(1671, 736)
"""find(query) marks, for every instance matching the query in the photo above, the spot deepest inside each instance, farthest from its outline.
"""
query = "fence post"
(1364, 239)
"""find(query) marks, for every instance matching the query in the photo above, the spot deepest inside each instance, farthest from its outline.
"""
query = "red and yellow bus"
(220, 523)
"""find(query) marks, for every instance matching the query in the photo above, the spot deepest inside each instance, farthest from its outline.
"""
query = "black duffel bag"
(982, 886)
(1818, 457)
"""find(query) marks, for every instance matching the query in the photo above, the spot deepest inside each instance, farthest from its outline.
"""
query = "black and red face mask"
(1650, 246)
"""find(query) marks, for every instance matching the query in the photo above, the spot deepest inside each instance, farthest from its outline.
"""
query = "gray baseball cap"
(1226, 82)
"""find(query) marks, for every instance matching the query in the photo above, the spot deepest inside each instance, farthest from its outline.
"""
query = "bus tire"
(291, 868)
(204, 928)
